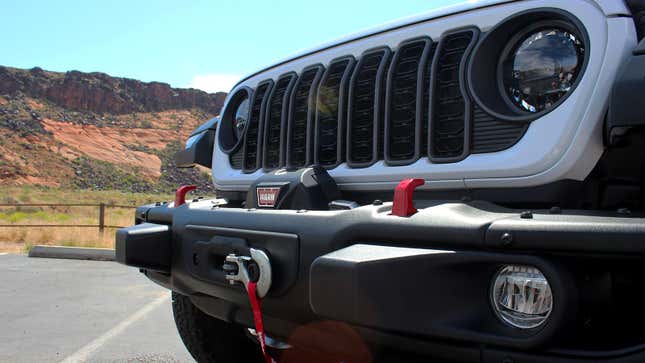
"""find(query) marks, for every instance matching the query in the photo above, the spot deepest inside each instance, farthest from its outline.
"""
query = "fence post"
(101, 218)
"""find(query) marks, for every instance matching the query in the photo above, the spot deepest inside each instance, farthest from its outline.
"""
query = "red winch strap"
(257, 317)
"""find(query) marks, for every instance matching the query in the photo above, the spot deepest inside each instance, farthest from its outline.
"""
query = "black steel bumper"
(419, 283)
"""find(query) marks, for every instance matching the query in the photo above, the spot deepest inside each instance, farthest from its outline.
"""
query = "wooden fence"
(101, 216)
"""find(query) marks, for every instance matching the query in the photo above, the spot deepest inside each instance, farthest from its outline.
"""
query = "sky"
(208, 45)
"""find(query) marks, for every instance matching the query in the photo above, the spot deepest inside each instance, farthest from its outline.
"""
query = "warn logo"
(267, 196)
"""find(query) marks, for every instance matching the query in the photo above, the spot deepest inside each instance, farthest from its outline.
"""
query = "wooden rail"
(101, 217)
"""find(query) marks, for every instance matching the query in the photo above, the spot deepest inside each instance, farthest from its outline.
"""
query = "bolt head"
(507, 239)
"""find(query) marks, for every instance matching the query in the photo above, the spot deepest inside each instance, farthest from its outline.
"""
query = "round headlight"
(234, 119)
(541, 68)
(521, 296)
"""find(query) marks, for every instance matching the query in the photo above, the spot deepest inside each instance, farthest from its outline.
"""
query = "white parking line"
(85, 352)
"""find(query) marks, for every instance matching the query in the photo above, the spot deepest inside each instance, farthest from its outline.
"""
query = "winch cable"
(256, 305)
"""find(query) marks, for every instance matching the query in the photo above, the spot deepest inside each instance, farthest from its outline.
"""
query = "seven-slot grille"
(393, 106)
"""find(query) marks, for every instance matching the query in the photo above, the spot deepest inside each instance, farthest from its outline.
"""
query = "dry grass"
(17, 239)
(22, 239)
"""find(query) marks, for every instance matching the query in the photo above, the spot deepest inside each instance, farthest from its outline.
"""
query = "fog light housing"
(521, 296)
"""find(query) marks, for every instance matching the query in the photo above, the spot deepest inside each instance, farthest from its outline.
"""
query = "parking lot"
(83, 311)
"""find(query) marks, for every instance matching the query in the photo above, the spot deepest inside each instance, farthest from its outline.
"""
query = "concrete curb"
(73, 253)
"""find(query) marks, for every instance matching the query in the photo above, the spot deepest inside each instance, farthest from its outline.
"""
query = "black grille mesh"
(330, 114)
(252, 134)
(450, 110)
(236, 158)
(301, 117)
(365, 109)
(274, 127)
(404, 102)
(490, 134)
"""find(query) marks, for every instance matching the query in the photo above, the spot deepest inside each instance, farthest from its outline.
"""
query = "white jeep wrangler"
(464, 185)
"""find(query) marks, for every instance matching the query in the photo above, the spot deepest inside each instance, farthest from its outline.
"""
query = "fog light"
(521, 296)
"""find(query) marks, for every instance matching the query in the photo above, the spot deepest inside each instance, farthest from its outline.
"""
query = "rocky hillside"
(91, 130)
(98, 92)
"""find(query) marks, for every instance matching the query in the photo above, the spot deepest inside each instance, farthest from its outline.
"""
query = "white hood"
(609, 7)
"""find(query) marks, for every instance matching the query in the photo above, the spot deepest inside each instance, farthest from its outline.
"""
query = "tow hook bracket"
(246, 269)
(403, 204)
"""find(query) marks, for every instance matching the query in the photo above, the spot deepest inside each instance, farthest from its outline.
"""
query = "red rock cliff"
(101, 93)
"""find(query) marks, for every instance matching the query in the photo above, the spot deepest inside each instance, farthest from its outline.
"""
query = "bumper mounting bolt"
(526, 215)
(377, 202)
(507, 239)
(623, 211)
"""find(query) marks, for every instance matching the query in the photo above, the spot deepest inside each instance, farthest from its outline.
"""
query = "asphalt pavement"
(54, 310)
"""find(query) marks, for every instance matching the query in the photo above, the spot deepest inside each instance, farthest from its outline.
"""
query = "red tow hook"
(403, 204)
(180, 194)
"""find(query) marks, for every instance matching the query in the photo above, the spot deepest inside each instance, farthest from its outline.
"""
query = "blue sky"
(204, 44)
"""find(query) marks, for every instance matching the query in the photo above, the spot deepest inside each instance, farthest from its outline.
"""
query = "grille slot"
(302, 110)
(252, 139)
(490, 134)
(329, 136)
(276, 121)
(365, 109)
(450, 108)
(404, 102)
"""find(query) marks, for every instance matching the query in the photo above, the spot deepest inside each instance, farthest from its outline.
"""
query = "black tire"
(209, 339)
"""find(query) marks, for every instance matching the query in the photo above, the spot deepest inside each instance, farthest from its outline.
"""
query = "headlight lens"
(521, 296)
(542, 68)
(240, 117)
